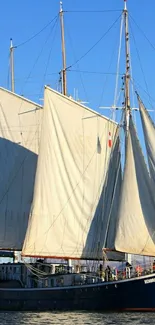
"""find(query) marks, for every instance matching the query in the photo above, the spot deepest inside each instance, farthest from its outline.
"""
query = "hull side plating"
(133, 294)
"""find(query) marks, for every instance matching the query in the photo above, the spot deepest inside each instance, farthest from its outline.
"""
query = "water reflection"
(80, 318)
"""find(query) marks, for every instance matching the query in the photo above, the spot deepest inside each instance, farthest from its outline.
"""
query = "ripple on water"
(74, 318)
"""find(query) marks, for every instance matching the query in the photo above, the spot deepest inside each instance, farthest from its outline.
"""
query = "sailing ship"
(84, 207)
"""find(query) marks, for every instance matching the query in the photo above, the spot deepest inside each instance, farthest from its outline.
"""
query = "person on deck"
(108, 273)
(128, 270)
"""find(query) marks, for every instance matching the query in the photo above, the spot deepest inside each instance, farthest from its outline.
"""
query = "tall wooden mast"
(12, 66)
(64, 81)
(127, 85)
(127, 73)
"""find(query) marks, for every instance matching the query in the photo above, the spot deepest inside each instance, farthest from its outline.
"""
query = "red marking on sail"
(110, 140)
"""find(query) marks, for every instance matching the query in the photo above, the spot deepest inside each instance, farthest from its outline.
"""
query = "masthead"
(61, 6)
(125, 8)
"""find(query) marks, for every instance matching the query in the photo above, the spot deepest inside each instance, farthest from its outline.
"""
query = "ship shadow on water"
(18, 167)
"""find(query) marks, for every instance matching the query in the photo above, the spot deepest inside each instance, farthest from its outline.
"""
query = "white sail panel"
(104, 220)
(135, 231)
(112, 195)
(111, 198)
(20, 121)
(149, 134)
(72, 167)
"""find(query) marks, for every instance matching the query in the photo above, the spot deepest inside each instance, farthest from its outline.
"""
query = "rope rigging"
(37, 59)
(135, 82)
(92, 47)
(38, 33)
(91, 11)
(96, 72)
(118, 62)
(151, 44)
(78, 60)
(140, 63)
(75, 58)
(49, 56)
(106, 79)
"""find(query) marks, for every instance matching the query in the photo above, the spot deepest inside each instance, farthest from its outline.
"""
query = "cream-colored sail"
(111, 198)
(106, 212)
(149, 134)
(71, 173)
(19, 143)
(136, 218)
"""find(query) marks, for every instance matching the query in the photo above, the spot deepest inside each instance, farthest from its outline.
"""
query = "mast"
(12, 66)
(127, 73)
(64, 81)
(127, 85)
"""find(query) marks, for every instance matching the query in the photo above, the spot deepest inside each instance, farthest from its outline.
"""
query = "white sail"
(19, 143)
(71, 173)
(112, 195)
(149, 134)
(135, 231)
(104, 221)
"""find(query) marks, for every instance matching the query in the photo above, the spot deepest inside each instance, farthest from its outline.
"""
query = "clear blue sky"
(22, 19)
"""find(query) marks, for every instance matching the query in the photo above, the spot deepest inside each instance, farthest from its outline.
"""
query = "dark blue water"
(78, 318)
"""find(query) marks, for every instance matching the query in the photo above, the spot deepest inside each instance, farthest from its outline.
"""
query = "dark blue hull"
(136, 294)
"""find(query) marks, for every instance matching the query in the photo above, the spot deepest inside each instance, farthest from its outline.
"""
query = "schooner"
(86, 204)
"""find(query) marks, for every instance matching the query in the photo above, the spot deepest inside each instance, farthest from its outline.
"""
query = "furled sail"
(135, 231)
(74, 156)
(149, 135)
(20, 121)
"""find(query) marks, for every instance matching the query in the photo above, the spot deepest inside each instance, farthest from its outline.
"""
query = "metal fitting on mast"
(12, 65)
(125, 7)
(64, 81)
(61, 6)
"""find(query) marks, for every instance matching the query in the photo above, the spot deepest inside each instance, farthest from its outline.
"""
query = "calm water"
(78, 318)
